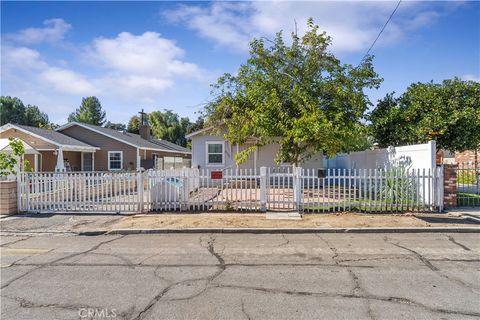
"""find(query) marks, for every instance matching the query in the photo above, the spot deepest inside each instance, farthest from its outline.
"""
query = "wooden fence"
(280, 188)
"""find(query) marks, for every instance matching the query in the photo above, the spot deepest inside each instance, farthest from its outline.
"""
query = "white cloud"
(123, 69)
(54, 30)
(352, 25)
(471, 77)
(67, 81)
(26, 63)
(140, 63)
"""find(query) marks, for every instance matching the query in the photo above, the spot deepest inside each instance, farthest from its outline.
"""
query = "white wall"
(418, 156)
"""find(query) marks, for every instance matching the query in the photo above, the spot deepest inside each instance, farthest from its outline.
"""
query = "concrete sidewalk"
(88, 224)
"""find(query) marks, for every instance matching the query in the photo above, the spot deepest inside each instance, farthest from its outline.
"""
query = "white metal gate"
(281, 184)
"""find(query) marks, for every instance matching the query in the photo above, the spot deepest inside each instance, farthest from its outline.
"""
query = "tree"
(197, 125)
(448, 113)
(90, 111)
(115, 126)
(12, 110)
(168, 126)
(34, 117)
(298, 95)
(133, 125)
(8, 161)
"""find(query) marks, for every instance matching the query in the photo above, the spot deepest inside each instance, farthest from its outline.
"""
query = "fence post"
(297, 187)
(440, 186)
(140, 190)
(186, 188)
(263, 189)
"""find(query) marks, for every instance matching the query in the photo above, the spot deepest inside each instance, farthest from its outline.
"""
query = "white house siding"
(265, 156)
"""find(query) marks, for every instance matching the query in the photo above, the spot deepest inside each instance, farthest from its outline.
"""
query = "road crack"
(210, 246)
(245, 313)
(41, 266)
(464, 247)
(424, 260)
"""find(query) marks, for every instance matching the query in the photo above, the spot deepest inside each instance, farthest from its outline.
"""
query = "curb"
(281, 230)
(472, 217)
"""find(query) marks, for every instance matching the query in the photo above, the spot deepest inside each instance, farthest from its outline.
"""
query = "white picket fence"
(280, 188)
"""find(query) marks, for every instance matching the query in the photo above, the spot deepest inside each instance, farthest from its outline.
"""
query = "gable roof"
(131, 139)
(192, 134)
(50, 136)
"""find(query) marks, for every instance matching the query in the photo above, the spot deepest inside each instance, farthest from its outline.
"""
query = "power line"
(381, 31)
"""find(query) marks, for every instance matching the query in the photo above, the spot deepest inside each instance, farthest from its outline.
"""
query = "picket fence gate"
(189, 189)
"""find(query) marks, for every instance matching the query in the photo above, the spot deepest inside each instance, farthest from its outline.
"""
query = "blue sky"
(164, 55)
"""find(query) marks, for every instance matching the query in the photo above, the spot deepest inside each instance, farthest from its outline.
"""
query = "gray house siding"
(264, 157)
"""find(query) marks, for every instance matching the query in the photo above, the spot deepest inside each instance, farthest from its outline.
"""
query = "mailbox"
(216, 175)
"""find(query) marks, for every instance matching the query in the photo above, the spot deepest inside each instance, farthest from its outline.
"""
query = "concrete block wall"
(450, 185)
(8, 197)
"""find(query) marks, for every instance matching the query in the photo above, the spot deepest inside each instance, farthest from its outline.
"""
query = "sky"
(165, 55)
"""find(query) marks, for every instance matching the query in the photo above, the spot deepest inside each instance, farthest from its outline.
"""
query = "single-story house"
(49, 144)
(214, 152)
(121, 150)
(84, 147)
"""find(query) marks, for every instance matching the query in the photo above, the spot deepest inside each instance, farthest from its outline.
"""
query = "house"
(212, 151)
(84, 147)
(49, 144)
(121, 150)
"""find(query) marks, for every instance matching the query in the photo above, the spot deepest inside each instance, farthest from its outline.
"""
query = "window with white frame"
(115, 160)
(215, 152)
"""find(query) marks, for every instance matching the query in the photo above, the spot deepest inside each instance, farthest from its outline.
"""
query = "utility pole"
(143, 118)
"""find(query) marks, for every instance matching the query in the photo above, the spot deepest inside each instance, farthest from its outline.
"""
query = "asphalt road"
(241, 276)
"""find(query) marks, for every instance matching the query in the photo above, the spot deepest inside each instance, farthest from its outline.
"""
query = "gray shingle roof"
(170, 146)
(134, 139)
(54, 136)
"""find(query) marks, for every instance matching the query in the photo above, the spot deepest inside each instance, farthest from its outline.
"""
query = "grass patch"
(468, 199)
(374, 207)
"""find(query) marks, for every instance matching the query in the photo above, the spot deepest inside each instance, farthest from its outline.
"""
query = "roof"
(51, 136)
(192, 134)
(171, 146)
(126, 137)
(5, 147)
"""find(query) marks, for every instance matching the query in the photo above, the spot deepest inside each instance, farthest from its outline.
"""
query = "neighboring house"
(121, 150)
(83, 147)
(49, 144)
(212, 151)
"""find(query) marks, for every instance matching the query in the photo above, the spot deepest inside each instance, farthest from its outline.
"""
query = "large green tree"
(448, 112)
(133, 125)
(90, 111)
(299, 95)
(12, 110)
(169, 126)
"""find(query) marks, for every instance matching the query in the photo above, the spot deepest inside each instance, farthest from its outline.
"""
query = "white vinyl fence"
(279, 188)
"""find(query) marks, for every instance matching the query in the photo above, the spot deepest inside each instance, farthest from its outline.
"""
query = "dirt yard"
(342, 220)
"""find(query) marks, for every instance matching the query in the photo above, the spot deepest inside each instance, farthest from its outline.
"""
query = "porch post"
(138, 159)
(93, 161)
(35, 162)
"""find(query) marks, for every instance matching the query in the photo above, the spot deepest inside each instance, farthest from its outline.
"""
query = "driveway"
(241, 276)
